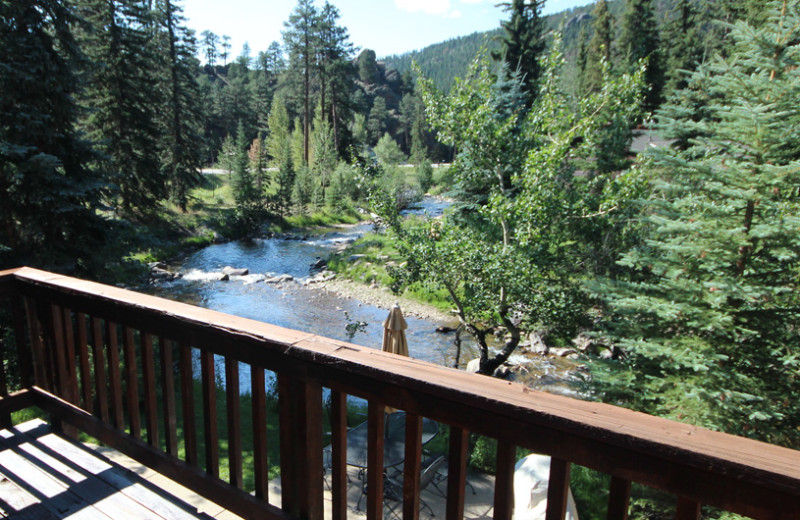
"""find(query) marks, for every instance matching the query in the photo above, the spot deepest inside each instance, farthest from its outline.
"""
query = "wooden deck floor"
(46, 476)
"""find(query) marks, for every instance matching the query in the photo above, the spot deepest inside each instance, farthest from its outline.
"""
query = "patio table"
(394, 443)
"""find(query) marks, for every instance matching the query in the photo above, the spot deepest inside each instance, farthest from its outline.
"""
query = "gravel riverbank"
(383, 298)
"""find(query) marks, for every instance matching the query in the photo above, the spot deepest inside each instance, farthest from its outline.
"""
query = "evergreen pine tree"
(325, 156)
(523, 43)
(302, 43)
(376, 123)
(123, 98)
(335, 72)
(685, 51)
(640, 41)
(582, 60)
(243, 189)
(708, 320)
(419, 148)
(49, 214)
(284, 180)
(182, 119)
(599, 50)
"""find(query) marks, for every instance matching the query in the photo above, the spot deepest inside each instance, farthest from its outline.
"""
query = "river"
(293, 304)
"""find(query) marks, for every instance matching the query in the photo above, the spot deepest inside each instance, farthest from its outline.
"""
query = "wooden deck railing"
(87, 355)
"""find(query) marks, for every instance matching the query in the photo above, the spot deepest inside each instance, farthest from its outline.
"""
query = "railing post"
(557, 489)
(338, 418)
(24, 362)
(376, 425)
(456, 473)
(413, 466)
(687, 509)
(504, 483)
(300, 404)
(618, 499)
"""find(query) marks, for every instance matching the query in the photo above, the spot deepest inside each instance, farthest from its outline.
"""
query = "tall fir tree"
(49, 214)
(325, 156)
(686, 46)
(599, 51)
(708, 319)
(638, 41)
(182, 119)
(522, 43)
(376, 122)
(123, 97)
(243, 189)
(301, 41)
(335, 71)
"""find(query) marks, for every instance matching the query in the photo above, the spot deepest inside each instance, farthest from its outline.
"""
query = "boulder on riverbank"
(233, 271)
(279, 279)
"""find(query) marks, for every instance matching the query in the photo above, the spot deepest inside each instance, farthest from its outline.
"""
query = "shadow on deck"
(44, 475)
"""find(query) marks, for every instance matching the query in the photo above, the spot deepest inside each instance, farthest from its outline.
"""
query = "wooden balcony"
(125, 367)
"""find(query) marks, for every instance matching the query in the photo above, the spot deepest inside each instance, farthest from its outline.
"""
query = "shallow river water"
(293, 304)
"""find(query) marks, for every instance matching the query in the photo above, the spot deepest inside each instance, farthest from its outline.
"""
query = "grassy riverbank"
(374, 261)
(210, 217)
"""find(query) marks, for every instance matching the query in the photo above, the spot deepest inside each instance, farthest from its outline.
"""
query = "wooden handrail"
(737, 474)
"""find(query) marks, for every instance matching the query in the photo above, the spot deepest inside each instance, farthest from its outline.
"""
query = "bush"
(425, 175)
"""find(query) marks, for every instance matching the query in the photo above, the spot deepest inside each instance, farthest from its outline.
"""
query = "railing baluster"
(375, 443)
(260, 462)
(456, 473)
(339, 454)
(300, 404)
(5, 417)
(504, 481)
(149, 384)
(619, 499)
(132, 384)
(187, 401)
(688, 509)
(44, 311)
(37, 349)
(287, 426)
(114, 378)
(23, 353)
(83, 360)
(210, 415)
(168, 388)
(72, 369)
(100, 385)
(412, 467)
(557, 489)
(234, 416)
(59, 353)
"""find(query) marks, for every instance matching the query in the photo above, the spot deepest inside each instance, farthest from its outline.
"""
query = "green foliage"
(425, 175)
(376, 123)
(388, 152)
(367, 66)
(640, 41)
(51, 194)
(523, 43)
(525, 247)
(123, 105)
(598, 53)
(182, 118)
(707, 316)
(303, 192)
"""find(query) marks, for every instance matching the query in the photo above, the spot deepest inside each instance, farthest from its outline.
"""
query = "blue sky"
(386, 26)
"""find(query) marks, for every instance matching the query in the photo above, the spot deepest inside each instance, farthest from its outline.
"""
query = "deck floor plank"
(43, 475)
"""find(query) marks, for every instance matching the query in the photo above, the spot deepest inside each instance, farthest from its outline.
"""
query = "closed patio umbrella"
(394, 333)
(394, 337)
